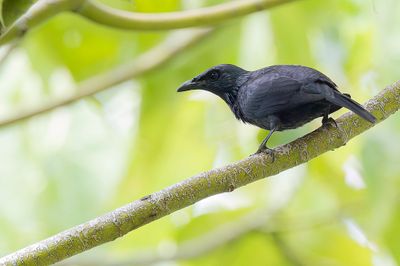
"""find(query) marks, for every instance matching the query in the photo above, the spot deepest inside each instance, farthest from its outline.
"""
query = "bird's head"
(220, 80)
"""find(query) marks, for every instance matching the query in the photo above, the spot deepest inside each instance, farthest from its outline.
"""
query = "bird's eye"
(214, 75)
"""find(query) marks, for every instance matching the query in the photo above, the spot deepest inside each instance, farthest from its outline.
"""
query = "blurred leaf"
(251, 249)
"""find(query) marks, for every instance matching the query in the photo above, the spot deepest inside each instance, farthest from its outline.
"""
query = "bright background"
(75, 163)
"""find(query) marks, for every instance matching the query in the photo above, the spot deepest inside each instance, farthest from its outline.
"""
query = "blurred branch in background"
(108, 16)
(226, 179)
(156, 57)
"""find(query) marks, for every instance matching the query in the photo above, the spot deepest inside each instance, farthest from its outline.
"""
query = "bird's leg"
(274, 125)
(263, 146)
(326, 120)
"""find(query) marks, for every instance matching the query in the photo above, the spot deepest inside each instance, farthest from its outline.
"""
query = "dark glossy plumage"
(276, 98)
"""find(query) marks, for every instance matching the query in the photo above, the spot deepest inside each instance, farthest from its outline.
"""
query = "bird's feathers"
(280, 88)
(274, 95)
(344, 101)
(277, 88)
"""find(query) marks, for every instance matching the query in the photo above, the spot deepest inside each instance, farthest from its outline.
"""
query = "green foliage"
(83, 160)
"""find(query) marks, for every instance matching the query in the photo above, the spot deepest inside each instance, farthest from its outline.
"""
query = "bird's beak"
(188, 85)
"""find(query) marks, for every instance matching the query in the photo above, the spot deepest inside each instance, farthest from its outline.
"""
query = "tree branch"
(145, 63)
(226, 233)
(221, 235)
(147, 209)
(264, 220)
(102, 14)
(108, 16)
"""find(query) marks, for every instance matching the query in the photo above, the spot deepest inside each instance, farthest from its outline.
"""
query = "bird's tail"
(344, 100)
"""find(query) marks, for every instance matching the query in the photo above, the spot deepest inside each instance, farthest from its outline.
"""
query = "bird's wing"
(270, 96)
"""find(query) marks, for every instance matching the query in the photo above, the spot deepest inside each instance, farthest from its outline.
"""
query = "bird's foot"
(266, 150)
(326, 122)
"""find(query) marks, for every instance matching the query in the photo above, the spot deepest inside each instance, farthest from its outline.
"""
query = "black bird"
(276, 98)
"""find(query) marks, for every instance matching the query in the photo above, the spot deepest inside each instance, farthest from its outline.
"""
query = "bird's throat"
(231, 99)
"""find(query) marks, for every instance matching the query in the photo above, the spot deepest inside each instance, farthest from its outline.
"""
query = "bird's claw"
(329, 122)
(267, 151)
